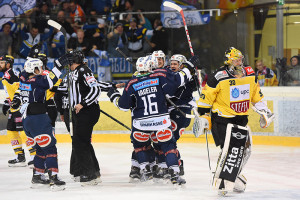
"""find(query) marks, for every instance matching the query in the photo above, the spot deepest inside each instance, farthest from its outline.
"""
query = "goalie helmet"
(8, 59)
(31, 64)
(179, 58)
(234, 59)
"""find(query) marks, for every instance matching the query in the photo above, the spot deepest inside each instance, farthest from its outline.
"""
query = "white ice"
(273, 173)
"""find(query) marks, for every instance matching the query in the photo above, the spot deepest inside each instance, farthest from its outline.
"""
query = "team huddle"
(161, 102)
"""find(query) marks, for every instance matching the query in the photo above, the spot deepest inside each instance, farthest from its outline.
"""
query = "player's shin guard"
(231, 158)
(16, 141)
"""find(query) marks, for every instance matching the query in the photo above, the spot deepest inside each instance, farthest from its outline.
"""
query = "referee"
(84, 93)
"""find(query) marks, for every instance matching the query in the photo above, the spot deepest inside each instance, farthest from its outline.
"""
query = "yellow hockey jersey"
(10, 83)
(49, 93)
(230, 96)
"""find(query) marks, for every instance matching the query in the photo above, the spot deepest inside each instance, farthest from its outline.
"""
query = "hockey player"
(228, 95)
(37, 124)
(145, 95)
(10, 82)
(183, 98)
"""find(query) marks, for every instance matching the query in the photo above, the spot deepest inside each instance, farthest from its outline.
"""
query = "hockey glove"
(113, 94)
(5, 106)
(15, 104)
(266, 118)
(195, 61)
(201, 124)
(190, 67)
(63, 61)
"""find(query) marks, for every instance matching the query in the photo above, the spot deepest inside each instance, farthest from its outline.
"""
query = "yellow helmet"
(232, 54)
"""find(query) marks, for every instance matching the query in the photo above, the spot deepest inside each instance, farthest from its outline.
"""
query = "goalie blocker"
(233, 157)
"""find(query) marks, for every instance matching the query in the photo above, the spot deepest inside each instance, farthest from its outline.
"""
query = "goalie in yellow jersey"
(10, 82)
(227, 97)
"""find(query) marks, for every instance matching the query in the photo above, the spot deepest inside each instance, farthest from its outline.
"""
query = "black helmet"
(9, 59)
(43, 58)
(77, 56)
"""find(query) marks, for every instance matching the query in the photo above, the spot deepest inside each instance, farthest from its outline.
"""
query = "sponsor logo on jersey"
(6, 75)
(158, 74)
(43, 140)
(173, 125)
(240, 92)
(51, 75)
(18, 119)
(145, 84)
(240, 107)
(30, 141)
(221, 74)
(129, 83)
(14, 142)
(249, 70)
(238, 135)
(181, 131)
(140, 136)
(24, 86)
(164, 135)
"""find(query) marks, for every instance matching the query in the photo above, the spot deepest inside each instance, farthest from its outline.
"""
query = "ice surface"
(273, 173)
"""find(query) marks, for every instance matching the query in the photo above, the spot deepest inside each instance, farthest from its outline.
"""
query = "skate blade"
(39, 186)
(89, 183)
(134, 180)
(55, 188)
(222, 193)
(18, 165)
(147, 182)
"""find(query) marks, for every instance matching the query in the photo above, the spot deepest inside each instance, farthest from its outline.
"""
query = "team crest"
(235, 93)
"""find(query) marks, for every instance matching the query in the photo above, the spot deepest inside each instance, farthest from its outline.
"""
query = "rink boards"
(283, 101)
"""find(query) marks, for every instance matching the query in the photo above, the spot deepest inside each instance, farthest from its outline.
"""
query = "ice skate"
(175, 178)
(88, 180)
(39, 181)
(240, 184)
(55, 183)
(134, 174)
(161, 175)
(181, 168)
(19, 161)
(146, 174)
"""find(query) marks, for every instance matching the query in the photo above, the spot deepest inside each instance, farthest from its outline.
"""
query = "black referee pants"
(83, 158)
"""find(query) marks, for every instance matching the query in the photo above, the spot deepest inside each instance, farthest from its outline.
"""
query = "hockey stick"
(128, 59)
(178, 109)
(63, 30)
(108, 115)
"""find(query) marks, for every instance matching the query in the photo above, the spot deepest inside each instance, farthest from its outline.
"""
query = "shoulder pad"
(249, 70)
(130, 82)
(221, 74)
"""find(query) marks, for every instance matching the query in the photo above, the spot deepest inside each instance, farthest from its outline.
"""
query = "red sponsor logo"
(30, 141)
(158, 74)
(14, 142)
(240, 107)
(249, 70)
(6, 75)
(153, 137)
(181, 131)
(141, 137)
(31, 80)
(130, 82)
(164, 135)
(174, 125)
(43, 140)
(154, 82)
(18, 119)
(45, 72)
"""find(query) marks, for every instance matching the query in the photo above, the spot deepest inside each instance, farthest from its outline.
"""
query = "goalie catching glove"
(201, 124)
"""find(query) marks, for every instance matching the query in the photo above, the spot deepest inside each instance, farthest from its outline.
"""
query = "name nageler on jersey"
(145, 84)
(147, 91)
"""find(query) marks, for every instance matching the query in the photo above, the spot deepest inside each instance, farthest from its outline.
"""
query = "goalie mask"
(32, 64)
(234, 59)
(159, 54)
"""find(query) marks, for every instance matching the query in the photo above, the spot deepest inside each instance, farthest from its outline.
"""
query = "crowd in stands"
(89, 25)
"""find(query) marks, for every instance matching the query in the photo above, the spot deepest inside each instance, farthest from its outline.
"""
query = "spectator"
(80, 43)
(292, 76)
(32, 38)
(54, 8)
(135, 39)
(65, 6)
(77, 14)
(265, 76)
(95, 31)
(129, 8)
(6, 40)
(144, 21)
(117, 38)
(158, 40)
(61, 19)
(102, 7)
(40, 16)
(58, 44)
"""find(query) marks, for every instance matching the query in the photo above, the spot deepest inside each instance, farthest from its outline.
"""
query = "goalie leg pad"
(231, 158)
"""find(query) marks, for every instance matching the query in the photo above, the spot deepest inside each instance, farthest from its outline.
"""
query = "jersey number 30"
(149, 105)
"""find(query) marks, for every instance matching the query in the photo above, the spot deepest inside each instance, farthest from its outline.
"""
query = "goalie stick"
(56, 25)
